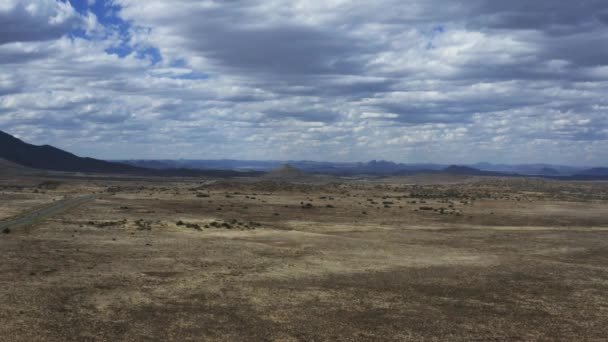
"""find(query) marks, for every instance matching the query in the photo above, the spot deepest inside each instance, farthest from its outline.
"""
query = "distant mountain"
(461, 170)
(286, 172)
(223, 164)
(374, 167)
(152, 164)
(50, 158)
(529, 169)
(289, 173)
(469, 171)
(548, 171)
(596, 171)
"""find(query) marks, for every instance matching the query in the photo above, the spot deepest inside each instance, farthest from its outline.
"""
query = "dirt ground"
(475, 259)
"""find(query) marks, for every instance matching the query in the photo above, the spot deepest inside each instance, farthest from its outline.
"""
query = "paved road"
(44, 213)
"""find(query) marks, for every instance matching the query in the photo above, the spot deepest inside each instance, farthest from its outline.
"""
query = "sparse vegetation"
(143, 224)
(379, 260)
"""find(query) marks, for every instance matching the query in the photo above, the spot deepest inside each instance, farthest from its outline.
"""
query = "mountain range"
(375, 167)
(46, 157)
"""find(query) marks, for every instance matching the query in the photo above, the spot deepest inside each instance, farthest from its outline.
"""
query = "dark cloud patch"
(453, 108)
(572, 31)
(587, 50)
(419, 114)
(107, 117)
(48, 121)
(348, 87)
(10, 85)
(326, 116)
(242, 98)
(589, 136)
(549, 16)
(603, 17)
(29, 21)
(285, 49)
(14, 55)
(570, 134)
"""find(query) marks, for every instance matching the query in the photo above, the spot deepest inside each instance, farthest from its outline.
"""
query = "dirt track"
(43, 213)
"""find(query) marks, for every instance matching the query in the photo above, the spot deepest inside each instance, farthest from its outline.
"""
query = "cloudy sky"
(405, 80)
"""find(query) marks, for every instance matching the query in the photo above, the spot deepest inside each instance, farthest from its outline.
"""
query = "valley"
(290, 258)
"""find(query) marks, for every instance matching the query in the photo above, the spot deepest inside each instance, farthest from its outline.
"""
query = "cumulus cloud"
(516, 81)
(36, 20)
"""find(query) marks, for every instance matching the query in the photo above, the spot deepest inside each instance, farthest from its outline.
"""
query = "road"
(44, 213)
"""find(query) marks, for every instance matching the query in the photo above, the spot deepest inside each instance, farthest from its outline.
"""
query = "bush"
(143, 225)
(193, 226)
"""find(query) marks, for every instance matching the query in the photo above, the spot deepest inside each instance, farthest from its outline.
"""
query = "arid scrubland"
(467, 258)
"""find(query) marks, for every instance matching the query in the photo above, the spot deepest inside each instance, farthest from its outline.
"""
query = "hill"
(10, 168)
(285, 172)
(548, 171)
(17, 153)
(470, 171)
(596, 171)
(51, 158)
(290, 174)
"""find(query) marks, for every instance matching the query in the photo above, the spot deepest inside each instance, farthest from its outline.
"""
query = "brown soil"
(481, 259)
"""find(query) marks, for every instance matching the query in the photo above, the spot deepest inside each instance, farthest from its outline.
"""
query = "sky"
(519, 81)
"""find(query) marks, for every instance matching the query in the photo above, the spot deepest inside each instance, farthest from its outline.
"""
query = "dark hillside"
(51, 158)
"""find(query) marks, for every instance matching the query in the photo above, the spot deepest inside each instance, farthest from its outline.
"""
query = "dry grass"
(521, 260)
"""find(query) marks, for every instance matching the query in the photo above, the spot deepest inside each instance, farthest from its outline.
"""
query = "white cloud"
(407, 81)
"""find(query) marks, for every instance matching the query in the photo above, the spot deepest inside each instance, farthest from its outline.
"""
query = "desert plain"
(421, 258)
